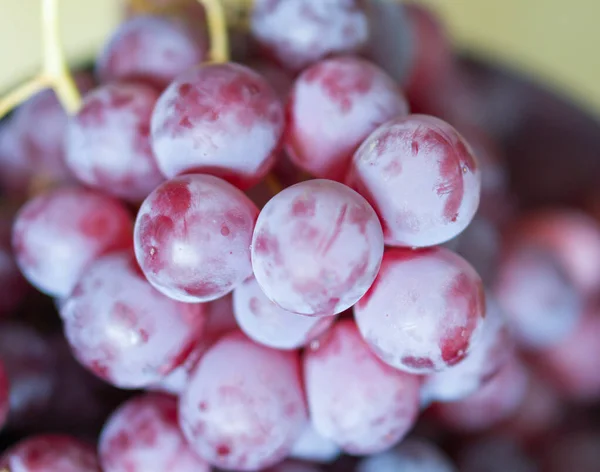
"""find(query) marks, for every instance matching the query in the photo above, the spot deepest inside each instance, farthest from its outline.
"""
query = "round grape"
(421, 178)
(192, 237)
(317, 247)
(152, 48)
(424, 311)
(58, 234)
(108, 141)
(143, 435)
(334, 105)
(264, 322)
(50, 453)
(125, 331)
(354, 399)
(222, 119)
(244, 405)
(300, 32)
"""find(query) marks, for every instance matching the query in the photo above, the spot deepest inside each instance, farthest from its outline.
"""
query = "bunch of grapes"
(281, 246)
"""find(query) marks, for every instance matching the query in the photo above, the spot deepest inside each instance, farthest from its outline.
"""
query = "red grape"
(58, 234)
(481, 365)
(317, 247)
(192, 237)
(313, 446)
(244, 406)
(495, 401)
(540, 302)
(152, 48)
(50, 453)
(108, 141)
(412, 455)
(354, 399)
(300, 32)
(222, 119)
(424, 310)
(333, 107)
(125, 331)
(264, 322)
(143, 435)
(573, 237)
(421, 177)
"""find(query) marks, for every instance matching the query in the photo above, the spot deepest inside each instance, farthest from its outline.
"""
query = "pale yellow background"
(555, 40)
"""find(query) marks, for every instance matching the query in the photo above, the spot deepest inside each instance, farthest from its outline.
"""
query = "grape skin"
(143, 435)
(221, 119)
(334, 105)
(155, 49)
(301, 32)
(45, 453)
(424, 311)
(316, 248)
(192, 237)
(421, 177)
(354, 399)
(58, 234)
(108, 141)
(264, 322)
(125, 331)
(244, 405)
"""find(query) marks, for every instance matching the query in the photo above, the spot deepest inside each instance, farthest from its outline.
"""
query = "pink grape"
(411, 455)
(540, 302)
(152, 48)
(244, 405)
(108, 141)
(573, 237)
(50, 453)
(264, 322)
(334, 105)
(58, 234)
(125, 331)
(144, 435)
(300, 32)
(192, 237)
(497, 400)
(317, 247)
(424, 311)
(314, 447)
(481, 365)
(421, 177)
(354, 399)
(221, 119)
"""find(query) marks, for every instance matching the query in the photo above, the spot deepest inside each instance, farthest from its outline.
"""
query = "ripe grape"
(125, 331)
(313, 446)
(421, 177)
(573, 237)
(221, 119)
(300, 32)
(108, 141)
(264, 322)
(424, 311)
(412, 455)
(334, 105)
(50, 453)
(156, 49)
(58, 234)
(192, 237)
(143, 435)
(317, 247)
(354, 399)
(483, 362)
(495, 401)
(540, 302)
(244, 406)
